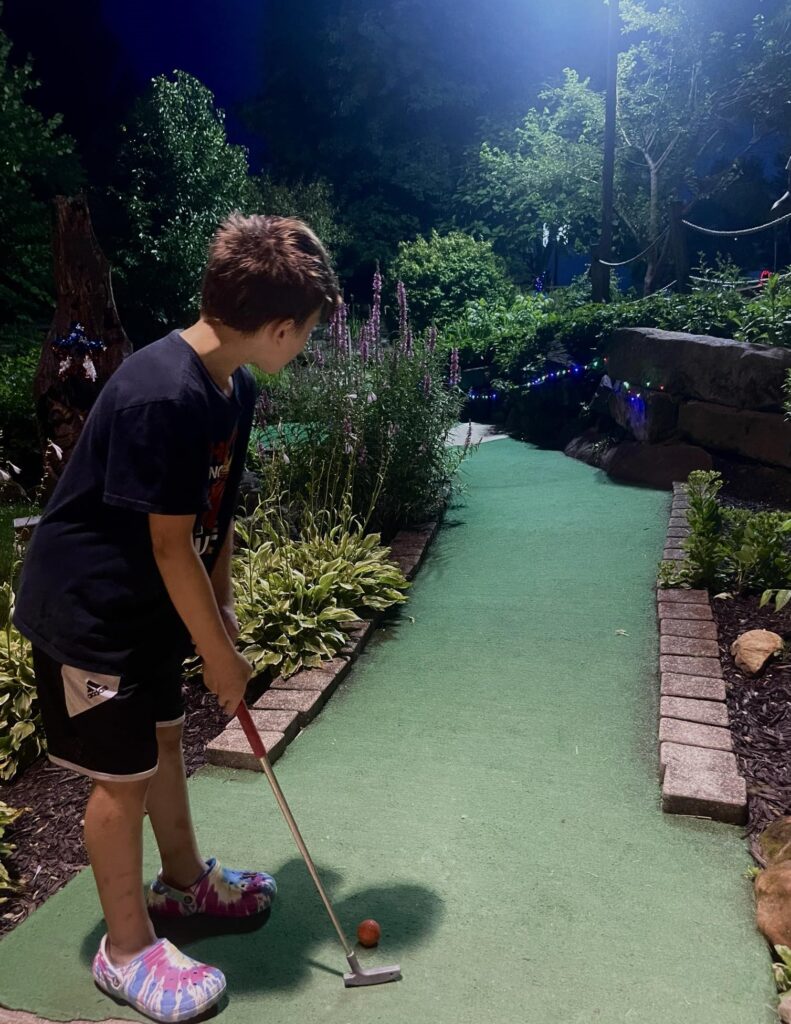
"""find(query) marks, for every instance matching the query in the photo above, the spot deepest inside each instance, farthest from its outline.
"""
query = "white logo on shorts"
(84, 690)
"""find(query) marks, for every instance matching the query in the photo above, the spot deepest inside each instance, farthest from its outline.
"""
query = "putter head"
(359, 976)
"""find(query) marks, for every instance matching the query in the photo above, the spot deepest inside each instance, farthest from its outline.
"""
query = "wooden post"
(600, 275)
(85, 343)
(678, 246)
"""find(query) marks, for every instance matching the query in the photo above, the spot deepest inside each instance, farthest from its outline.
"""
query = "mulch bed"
(760, 707)
(760, 712)
(48, 836)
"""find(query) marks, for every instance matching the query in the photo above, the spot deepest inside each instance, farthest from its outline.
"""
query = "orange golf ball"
(368, 933)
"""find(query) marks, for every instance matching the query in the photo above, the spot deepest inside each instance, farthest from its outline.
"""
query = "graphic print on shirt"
(206, 534)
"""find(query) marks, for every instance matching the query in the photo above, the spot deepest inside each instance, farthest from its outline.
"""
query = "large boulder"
(654, 465)
(696, 366)
(651, 417)
(589, 447)
(763, 436)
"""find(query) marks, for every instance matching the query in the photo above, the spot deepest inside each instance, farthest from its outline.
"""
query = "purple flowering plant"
(365, 413)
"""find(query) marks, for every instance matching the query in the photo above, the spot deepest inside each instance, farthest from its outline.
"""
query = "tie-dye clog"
(162, 982)
(219, 892)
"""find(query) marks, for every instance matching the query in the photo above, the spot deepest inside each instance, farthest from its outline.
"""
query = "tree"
(311, 201)
(384, 98)
(541, 185)
(179, 177)
(681, 133)
(37, 162)
(681, 137)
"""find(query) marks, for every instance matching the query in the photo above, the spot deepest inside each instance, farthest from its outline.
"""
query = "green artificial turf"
(485, 784)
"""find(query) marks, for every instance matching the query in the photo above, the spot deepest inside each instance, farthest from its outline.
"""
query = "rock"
(654, 465)
(773, 903)
(653, 417)
(695, 366)
(753, 649)
(784, 1009)
(589, 447)
(775, 841)
(763, 436)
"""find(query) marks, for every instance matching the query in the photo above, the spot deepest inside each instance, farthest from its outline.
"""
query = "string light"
(633, 392)
(571, 371)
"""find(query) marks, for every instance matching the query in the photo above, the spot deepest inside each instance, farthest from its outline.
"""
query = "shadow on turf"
(284, 954)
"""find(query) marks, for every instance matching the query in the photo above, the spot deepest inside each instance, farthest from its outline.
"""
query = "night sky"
(95, 56)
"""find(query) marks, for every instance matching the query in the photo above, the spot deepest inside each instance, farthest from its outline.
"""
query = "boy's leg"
(187, 882)
(114, 840)
(168, 809)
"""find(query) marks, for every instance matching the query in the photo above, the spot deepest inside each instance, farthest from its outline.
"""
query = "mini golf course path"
(485, 785)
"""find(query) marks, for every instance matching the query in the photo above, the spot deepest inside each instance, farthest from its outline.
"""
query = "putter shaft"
(359, 975)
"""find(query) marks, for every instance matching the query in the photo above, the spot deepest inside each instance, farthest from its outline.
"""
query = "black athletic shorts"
(106, 726)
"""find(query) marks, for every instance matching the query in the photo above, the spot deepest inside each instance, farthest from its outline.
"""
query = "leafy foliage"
(37, 163)
(731, 548)
(17, 408)
(8, 815)
(294, 594)
(178, 178)
(20, 723)
(442, 273)
(496, 330)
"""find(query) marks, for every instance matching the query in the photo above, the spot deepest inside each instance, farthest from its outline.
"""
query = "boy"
(132, 559)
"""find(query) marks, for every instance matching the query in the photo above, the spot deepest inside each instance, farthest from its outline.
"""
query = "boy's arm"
(222, 584)
(225, 671)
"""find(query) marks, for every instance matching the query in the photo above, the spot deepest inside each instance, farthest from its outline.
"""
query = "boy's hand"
(227, 677)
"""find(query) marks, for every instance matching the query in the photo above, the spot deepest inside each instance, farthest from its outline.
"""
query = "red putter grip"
(250, 731)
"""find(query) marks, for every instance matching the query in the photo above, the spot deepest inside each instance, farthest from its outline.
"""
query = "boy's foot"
(161, 982)
(219, 892)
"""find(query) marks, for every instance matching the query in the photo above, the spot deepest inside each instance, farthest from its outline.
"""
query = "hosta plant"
(294, 593)
(20, 724)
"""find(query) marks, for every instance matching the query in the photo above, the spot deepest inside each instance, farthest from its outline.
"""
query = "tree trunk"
(652, 270)
(85, 343)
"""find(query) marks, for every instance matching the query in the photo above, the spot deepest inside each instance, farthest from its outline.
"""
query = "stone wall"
(693, 400)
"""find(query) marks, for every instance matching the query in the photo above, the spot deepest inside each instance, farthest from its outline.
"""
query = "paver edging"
(304, 694)
(698, 771)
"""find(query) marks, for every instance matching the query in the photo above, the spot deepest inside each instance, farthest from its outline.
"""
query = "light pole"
(600, 275)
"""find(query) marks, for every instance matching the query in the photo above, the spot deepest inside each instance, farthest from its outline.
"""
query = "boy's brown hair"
(262, 269)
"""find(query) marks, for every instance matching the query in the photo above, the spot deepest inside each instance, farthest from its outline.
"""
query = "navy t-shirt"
(161, 438)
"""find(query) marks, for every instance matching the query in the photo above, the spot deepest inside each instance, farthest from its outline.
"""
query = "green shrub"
(496, 330)
(17, 409)
(20, 723)
(766, 320)
(294, 594)
(8, 815)
(732, 549)
(443, 273)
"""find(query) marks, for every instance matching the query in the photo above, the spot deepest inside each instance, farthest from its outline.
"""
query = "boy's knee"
(169, 740)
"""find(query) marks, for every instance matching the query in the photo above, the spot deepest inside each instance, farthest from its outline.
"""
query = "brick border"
(698, 768)
(287, 706)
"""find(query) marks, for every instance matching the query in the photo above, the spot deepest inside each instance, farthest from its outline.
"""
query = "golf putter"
(358, 975)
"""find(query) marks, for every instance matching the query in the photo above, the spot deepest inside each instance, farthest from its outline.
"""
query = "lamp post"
(600, 275)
